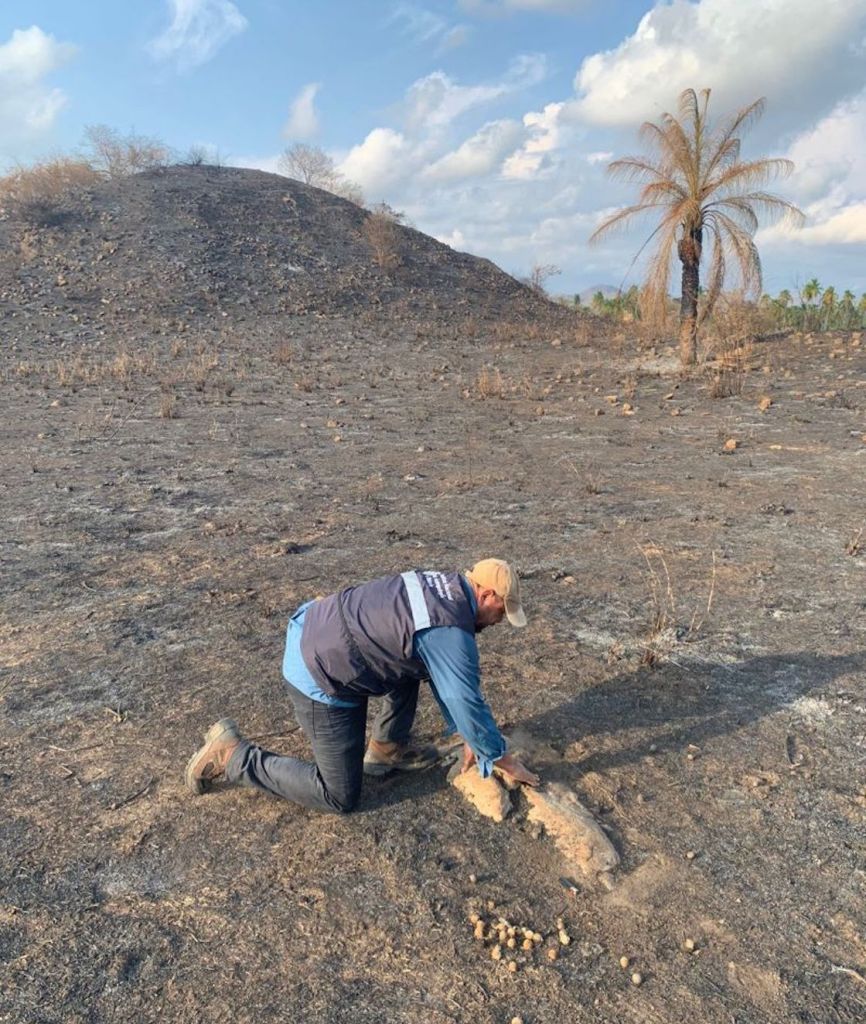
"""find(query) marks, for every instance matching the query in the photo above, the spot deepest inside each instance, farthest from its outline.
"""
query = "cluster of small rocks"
(517, 944)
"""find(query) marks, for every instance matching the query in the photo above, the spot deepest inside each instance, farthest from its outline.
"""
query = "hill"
(187, 241)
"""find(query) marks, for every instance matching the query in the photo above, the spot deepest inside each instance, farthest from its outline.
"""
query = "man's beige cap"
(498, 576)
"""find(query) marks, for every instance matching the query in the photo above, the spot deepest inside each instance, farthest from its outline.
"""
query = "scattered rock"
(731, 444)
(765, 403)
(637, 978)
(576, 833)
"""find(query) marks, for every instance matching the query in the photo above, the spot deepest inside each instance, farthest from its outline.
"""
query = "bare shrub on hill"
(539, 275)
(115, 155)
(313, 166)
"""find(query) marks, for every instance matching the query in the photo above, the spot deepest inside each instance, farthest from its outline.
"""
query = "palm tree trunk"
(690, 256)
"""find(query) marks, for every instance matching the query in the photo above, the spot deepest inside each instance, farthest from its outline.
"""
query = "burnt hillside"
(188, 241)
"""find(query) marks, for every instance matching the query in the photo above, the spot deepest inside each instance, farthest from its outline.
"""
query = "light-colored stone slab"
(486, 795)
(576, 833)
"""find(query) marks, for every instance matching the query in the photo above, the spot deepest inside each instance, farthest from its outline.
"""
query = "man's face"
(491, 610)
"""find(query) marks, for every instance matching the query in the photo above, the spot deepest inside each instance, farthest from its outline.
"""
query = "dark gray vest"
(360, 640)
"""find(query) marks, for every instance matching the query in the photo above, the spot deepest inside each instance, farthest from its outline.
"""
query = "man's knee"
(343, 804)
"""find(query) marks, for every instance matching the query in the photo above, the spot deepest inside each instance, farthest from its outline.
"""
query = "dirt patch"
(150, 563)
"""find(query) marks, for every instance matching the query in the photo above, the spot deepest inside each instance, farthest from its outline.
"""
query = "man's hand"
(510, 766)
(507, 764)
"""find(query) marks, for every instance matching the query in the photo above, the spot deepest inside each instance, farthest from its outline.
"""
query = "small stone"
(527, 944)
(474, 918)
(496, 952)
(637, 978)
(731, 444)
(690, 854)
(479, 930)
(473, 878)
(564, 938)
(337, 438)
(553, 953)
(512, 966)
(765, 403)
(689, 945)
(511, 943)
(536, 937)
(624, 962)
(516, 1020)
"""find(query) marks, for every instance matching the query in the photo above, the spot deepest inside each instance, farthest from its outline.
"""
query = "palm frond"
(742, 119)
(616, 220)
(745, 174)
(716, 277)
(635, 168)
(744, 250)
(654, 294)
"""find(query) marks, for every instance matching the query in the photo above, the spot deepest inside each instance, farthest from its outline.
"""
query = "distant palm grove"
(813, 308)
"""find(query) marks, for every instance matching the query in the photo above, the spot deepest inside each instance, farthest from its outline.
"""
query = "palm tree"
(697, 183)
(811, 290)
(828, 303)
(846, 305)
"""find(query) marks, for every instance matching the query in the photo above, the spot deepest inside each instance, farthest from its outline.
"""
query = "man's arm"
(451, 657)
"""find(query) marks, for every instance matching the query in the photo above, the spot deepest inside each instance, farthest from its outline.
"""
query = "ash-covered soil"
(185, 241)
(694, 669)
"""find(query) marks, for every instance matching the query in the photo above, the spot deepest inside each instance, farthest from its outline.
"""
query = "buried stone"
(487, 795)
(576, 833)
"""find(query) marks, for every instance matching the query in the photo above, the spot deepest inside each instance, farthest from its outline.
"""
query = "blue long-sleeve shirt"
(450, 655)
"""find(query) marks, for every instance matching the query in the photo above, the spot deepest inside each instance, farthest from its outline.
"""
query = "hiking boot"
(209, 762)
(382, 758)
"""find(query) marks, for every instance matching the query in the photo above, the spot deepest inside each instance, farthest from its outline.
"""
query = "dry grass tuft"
(490, 383)
(383, 236)
(168, 406)
(665, 628)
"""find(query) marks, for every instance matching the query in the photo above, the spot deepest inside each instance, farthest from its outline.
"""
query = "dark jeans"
(338, 737)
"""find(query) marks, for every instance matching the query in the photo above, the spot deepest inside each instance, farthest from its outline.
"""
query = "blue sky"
(489, 122)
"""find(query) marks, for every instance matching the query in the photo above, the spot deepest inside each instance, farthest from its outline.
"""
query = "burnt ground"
(694, 667)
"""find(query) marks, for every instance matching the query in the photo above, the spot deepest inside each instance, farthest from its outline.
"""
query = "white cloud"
(829, 180)
(303, 122)
(28, 106)
(455, 239)
(378, 161)
(436, 100)
(846, 226)
(423, 26)
(480, 154)
(601, 157)
(544, 131)
(740, 48)
(198, 30)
